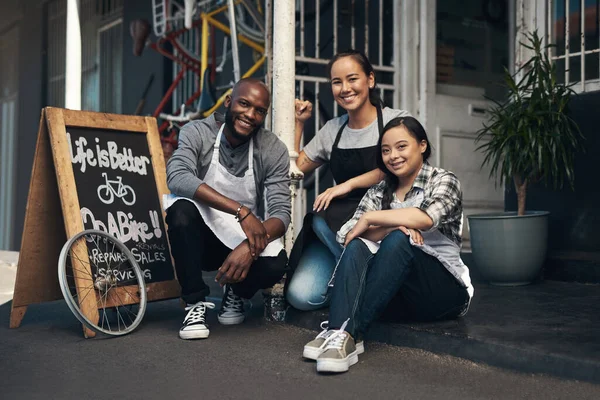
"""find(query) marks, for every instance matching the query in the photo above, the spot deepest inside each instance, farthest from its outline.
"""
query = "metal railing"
(334, 26)
(567, 23)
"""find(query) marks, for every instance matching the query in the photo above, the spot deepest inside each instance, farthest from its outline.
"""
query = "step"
(550, 328)
(563, 266)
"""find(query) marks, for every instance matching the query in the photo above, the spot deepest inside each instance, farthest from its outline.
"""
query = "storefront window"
(575, 34)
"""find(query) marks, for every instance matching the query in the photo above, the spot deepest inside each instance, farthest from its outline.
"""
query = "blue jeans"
(308, 287)
(415, 285)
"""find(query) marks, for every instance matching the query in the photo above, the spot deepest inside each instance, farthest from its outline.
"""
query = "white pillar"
(73, 57)
(530, 15)
(234, 40)
(283, 91)
(407, 14)
(427, 49)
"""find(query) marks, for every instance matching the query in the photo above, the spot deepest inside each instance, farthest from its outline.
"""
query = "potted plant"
(529, 138)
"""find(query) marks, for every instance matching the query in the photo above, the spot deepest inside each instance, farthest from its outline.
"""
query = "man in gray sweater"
(218, 175)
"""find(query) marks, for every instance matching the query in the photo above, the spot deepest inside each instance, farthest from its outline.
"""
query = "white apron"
(241, 189)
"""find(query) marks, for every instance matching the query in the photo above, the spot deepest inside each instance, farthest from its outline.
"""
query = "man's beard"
(231, 128)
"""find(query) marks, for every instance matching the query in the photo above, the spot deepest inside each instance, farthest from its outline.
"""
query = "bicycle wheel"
(106, 270)
(105, 194)
(129, 196)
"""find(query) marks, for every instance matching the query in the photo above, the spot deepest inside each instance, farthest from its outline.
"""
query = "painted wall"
(32, 74)
(137, 70)
(31, 66)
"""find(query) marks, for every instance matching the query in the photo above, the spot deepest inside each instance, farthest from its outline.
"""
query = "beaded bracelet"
(237, 212)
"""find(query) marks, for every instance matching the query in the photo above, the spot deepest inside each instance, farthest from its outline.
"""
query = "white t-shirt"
(319, 148)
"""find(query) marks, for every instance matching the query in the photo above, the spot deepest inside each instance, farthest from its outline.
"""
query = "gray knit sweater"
(189, 164)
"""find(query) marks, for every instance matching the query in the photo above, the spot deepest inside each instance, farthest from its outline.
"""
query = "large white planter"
(509, 250)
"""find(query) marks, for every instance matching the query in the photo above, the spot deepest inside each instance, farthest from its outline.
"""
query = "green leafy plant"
(529, 137)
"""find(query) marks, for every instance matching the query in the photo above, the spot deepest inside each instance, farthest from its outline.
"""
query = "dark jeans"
(195, 248)
(400, 277)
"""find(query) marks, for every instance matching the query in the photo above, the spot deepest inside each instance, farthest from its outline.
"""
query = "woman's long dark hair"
(416, 130)
(367, 68)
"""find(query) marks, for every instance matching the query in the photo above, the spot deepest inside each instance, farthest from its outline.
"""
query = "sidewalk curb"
(521, 359)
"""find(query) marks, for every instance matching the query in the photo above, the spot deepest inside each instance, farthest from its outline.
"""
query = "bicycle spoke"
(113, 250)
(125, 307)
(80, 260)
(87, 274)
(116, 293)
(129, 293)
(104, 310)
(90, 290)
(80, 278)
(83, 262)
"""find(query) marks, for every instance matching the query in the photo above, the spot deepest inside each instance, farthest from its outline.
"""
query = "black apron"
(345, 164)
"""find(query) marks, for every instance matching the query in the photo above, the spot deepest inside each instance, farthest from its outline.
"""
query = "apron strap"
(379, 120)
(215, 155)
(251, 157)
(339, 135)
(379, 126)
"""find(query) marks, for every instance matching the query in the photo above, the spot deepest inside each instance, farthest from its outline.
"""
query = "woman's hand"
(361, 226)
(415, 234)
(303, 110)
(322, 201)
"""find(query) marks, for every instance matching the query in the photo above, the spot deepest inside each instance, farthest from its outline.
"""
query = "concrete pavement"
(47, 357)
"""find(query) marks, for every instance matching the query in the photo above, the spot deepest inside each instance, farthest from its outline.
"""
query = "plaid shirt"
(442, 202)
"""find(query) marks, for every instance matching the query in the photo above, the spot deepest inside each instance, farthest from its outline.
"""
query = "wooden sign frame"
(53, 202)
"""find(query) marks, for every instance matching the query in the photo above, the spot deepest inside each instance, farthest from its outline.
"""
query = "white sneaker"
(194, 325)
(314, 348)
(232, 308)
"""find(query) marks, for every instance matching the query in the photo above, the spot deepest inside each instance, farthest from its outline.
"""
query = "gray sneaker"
(232, 308)
(339, 353)
(314, 348)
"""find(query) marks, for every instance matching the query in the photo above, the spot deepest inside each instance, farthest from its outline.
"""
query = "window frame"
(583, 85)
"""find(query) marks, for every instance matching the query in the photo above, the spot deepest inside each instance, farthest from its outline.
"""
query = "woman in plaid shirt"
(402, 250)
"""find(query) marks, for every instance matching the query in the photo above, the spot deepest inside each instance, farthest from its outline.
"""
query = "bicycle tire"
(97, 284)
(110, 195)
(128, 189)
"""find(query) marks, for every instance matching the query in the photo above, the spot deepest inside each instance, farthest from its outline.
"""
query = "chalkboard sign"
(93, 170)
(117, 194)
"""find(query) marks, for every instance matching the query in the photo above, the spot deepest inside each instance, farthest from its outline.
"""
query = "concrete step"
(580, 267)
(549, 327)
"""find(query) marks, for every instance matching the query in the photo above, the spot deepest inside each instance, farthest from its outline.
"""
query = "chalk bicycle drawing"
(107, 191)
(95, 264)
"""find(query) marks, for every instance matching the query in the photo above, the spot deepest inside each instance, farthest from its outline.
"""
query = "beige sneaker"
(314, 348)
(340, 353)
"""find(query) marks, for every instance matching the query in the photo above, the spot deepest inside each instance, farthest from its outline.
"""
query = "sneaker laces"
(196, 312)
(233, 302)
(325, 332)
(336, 338)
